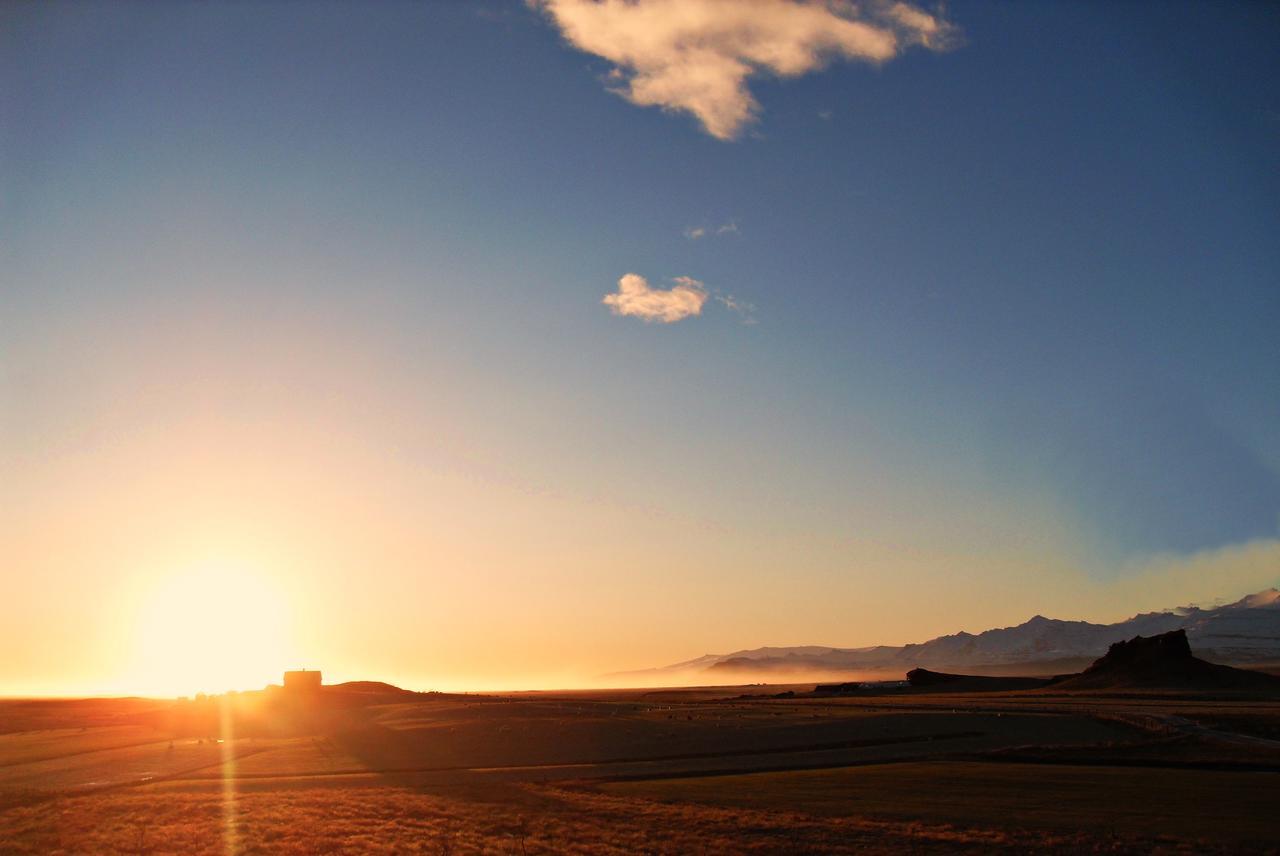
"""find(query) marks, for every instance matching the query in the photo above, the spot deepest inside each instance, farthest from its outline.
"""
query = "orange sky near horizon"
(168, 564)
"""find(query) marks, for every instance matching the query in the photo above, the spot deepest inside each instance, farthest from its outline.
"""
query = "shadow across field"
(595, 772)
(1191, 805)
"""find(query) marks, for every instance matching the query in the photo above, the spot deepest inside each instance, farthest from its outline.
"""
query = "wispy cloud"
(744, 310)
(635, 297)
(696, 56)
(693, 233)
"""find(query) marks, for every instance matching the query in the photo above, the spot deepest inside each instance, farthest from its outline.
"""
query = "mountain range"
(1246, 632)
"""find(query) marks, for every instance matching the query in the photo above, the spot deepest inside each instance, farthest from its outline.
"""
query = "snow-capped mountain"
(1247, 631)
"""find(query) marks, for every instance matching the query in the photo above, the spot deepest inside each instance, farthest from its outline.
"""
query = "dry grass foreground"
(521, 819)
(495, 775)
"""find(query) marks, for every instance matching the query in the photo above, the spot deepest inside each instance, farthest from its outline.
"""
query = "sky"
(502, 344)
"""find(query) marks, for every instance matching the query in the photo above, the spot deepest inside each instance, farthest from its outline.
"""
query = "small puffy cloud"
(637, 298)
(696, 56)
(693, 233)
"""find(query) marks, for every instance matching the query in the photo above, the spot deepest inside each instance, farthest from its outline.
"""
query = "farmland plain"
(655, 771)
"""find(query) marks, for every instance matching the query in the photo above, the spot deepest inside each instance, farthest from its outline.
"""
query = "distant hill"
(941, 681)
(1245, 632)
(1163, 662)
(368, 688)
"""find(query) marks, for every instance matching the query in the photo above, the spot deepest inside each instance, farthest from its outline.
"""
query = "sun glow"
(211, 628)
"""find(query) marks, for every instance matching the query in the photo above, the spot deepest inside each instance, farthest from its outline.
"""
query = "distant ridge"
(1246, 632)
(923, 678)
(1160, 662)
(368, 688)
(1163, 662)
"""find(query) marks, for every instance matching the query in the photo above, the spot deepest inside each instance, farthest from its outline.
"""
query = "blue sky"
(1017, 292)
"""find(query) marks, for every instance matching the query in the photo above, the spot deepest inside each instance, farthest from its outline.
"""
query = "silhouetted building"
(302, 681)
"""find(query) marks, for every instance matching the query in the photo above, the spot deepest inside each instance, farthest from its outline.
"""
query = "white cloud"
(635, 297)
(697, 55)
(693, 233)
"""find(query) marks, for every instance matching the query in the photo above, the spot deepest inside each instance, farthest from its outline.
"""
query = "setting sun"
(210, 628)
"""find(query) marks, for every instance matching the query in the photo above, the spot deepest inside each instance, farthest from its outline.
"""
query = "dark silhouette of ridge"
(368, 688)
(1163, 661)
(944, 682)
(845, 688)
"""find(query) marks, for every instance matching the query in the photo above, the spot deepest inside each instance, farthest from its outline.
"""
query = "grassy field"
(643, 772)
(1182, 804)
(519, 819)
(133, 764)
(23, 747)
